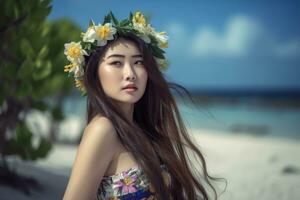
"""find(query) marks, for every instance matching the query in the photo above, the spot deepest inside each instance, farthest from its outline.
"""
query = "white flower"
(138, 18)
(88, 36)
(100, 33)
(150, 30)
(78, 71)
(162, 39)
(74, 52)
(144, 32)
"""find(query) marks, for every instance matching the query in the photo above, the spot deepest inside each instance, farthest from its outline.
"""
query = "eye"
(139, 62)
(116, 63)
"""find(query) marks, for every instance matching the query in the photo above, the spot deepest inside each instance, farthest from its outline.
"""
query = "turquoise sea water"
(256, 120)
(230, 118)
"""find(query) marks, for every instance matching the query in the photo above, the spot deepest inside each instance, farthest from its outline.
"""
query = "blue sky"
(214, 44)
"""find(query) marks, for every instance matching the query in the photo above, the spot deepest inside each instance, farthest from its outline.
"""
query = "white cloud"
(241, 36)
(236, 40)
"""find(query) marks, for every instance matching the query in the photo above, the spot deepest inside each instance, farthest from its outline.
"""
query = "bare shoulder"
(96, 150)
(100, 127)
(100, 136)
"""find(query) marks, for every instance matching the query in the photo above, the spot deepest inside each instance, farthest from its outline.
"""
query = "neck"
(127, 109)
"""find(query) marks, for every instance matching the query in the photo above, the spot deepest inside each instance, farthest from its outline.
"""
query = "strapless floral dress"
(131, 184)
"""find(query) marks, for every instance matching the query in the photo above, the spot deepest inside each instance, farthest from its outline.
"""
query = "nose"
(129, 73)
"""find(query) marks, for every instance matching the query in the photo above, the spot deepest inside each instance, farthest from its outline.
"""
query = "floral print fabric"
(131, 184)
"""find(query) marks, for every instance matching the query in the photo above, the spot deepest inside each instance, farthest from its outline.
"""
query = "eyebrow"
(122, 56)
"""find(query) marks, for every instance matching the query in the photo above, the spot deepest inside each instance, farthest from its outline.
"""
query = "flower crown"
(111, 28)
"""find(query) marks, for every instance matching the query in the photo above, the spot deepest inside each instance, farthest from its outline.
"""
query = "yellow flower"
(75, 68)
(100, 33)
(139, 18)
(69, 67)
(79, 84)
(74, 52)
(127, 181)
(162, 39)
(103, 32)
(163, 45)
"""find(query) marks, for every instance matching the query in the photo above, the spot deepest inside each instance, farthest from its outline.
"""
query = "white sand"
(252, 166)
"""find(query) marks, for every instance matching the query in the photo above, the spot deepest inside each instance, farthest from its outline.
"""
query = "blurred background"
(240, 60)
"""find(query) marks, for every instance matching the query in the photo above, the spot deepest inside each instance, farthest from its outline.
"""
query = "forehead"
(123, 47)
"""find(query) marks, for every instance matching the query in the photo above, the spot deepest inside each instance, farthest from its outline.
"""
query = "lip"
(130, 87)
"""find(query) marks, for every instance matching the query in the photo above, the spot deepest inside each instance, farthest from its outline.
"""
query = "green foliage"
(21, 144)
(116, 22)
(60, 32)
(107, 19)
(24, 40)
(36, 50)
(31, 69)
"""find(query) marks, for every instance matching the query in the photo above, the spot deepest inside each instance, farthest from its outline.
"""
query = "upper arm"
(95, 152)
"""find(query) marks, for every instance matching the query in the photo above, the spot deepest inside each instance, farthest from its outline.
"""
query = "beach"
(255, 167)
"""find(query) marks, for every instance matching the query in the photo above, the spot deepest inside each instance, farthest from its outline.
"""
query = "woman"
(135, 143)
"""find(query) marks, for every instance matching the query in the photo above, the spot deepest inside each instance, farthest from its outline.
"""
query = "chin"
(132, 99)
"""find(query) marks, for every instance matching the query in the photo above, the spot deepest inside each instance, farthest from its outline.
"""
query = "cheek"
(109, 79)
(143, 80)
(107, 76)
(144, 76)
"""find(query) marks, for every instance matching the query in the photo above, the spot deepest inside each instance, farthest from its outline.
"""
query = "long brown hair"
(158, 134)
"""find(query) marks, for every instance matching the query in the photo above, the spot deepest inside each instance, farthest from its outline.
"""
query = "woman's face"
(122, 64)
